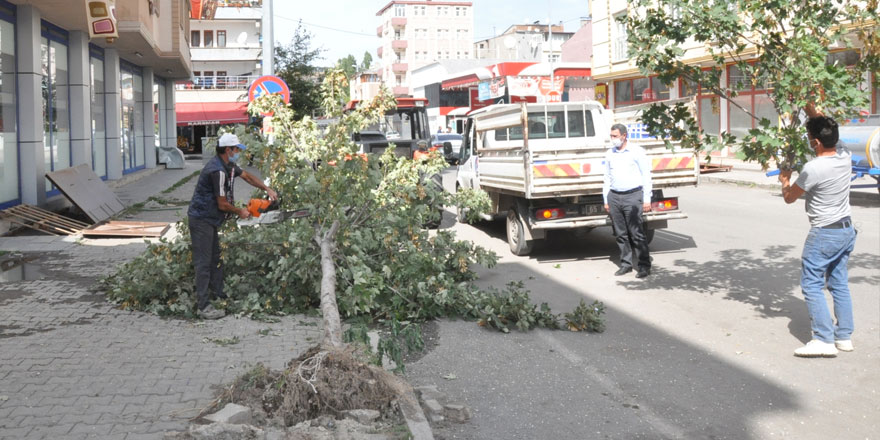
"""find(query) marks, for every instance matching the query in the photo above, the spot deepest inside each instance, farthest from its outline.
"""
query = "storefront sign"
(538, 86)
(101, 15)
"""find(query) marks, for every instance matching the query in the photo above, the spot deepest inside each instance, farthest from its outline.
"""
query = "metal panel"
(86, 190)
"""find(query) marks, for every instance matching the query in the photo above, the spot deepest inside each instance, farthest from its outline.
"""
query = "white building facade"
(226, 46)
(417, 33)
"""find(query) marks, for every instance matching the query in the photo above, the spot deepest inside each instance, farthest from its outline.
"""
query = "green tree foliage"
(294, 63)
(780, 45)
(367, 62)
(349, 67)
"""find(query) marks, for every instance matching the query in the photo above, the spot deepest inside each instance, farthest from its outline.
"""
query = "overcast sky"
(344, 27)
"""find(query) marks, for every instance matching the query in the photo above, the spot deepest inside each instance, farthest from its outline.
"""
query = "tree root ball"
(321, 382)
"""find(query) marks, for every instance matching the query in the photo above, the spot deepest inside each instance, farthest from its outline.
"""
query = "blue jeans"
(826, 252)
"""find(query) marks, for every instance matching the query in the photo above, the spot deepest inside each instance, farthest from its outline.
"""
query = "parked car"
(438, 139)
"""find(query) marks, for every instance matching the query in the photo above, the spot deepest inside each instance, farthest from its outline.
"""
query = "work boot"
(211, 313)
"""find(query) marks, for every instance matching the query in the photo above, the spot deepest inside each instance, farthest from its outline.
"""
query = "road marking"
(665, 428)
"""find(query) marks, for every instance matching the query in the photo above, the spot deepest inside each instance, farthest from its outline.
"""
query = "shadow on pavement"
(768, 282)
(633, 381)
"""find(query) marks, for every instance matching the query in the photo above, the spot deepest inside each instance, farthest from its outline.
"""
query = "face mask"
(616, 142)
(235, 157)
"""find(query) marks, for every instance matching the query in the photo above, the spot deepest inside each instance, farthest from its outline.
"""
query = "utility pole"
(550, 28)
(268, 39)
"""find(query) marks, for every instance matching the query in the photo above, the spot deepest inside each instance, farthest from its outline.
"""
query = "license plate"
(594, 209)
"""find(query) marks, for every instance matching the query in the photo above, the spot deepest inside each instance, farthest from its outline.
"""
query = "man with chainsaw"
(212, 202)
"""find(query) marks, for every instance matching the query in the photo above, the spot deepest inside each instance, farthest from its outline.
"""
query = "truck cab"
(403, 126)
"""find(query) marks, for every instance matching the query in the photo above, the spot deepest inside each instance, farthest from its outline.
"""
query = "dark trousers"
(626, 218)
(206, 259)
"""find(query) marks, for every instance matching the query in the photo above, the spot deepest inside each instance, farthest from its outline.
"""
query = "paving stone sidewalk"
(73, 366)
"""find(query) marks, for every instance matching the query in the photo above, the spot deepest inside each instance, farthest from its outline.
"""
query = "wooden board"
(126, 229)
(87, 191)
(42, 220)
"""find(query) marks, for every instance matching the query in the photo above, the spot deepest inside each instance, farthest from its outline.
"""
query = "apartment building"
(67, 99)
(226, 45)
(418, 33)
(525, 42)
(621, 84)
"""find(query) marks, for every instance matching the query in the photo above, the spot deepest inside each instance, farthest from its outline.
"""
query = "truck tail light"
(670, 204)
(549, 214)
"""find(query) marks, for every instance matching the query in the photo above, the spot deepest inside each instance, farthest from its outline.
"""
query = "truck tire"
(516, 235)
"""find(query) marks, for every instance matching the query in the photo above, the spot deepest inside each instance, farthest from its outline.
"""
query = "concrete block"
(432, 407)
(362, 416)
(232, 414)
(457, 413)
(428, 392)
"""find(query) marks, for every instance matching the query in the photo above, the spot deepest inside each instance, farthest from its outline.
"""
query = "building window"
(195, 39)
(752, 98)
(99, 131)
(708, 106)
(209, 38)
(221, 38)
(639, 90)
(56, 107)
(9, 188)
(132, 117)
(620, 47)
(400, 10)
(464, 12)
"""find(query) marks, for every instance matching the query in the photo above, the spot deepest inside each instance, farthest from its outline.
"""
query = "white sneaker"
(816, 348)
(845, 345)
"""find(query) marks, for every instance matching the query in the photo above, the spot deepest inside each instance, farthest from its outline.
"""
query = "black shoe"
(623, 271)
(643, 273)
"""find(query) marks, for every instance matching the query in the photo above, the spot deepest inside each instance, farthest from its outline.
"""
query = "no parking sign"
(266, 85)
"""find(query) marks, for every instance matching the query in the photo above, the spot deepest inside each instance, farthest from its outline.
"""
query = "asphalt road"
(701, 349)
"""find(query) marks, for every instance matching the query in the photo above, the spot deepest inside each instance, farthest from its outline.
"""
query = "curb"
(856, 195)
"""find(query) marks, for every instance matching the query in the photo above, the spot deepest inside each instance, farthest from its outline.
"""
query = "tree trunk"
(332, 323)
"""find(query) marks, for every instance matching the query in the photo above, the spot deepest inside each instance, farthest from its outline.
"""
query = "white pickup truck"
(542, 166)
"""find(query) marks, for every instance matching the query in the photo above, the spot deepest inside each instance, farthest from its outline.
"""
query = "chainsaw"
(272, 210)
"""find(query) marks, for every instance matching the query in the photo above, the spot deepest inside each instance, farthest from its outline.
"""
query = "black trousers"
(206, 259)
(626, 218)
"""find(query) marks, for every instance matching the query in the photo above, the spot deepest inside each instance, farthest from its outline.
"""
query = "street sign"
(268, 84)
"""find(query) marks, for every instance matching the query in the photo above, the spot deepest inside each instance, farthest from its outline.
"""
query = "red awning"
(464, 81)
(196, 10)
(211, 113)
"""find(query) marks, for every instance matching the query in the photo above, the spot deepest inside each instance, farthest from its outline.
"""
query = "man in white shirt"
(627, 194)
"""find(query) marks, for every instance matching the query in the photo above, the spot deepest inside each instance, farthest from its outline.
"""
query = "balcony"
(218, 83)
(379, 31)
(398, 44)
(400, 90)
(398, 21)
(379, 51)
(399, 67)
(225, 53)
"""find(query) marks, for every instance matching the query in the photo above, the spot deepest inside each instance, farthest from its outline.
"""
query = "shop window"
(98, 121)
(708, 106)
(753, 98)
(132, 118)
(639, 90)
(9, 177)
(56, 106)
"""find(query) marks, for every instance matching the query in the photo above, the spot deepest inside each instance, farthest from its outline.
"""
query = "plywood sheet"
(87, 191)
(126, 229)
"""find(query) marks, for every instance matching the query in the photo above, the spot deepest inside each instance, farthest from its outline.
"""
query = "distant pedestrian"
(826, 182)
(627, 194)
(211, 202)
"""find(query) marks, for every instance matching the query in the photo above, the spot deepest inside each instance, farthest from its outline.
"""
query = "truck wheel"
(516, 235)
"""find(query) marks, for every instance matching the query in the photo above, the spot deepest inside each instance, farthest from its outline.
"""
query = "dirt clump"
(320, 384)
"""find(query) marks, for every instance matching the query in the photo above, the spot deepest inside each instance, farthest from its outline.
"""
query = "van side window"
(591, 130)
(575, 123)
